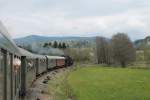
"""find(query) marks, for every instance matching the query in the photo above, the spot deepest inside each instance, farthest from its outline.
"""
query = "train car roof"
(6, 42)
(30, 55)
(55, 57)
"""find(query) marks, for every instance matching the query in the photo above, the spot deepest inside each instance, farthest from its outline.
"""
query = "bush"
(79, 54)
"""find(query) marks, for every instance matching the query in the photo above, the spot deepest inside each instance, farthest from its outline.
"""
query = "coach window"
(15, 79)
(16, 66)
(9, 77)
(1, 76)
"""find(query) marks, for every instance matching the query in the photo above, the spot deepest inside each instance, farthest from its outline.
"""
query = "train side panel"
(10, 79)
(51, 63)
(31, 71)
(42, 66)
(1, 76)
(60, 62)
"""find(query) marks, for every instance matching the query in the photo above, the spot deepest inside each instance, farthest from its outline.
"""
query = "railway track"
(39, 90)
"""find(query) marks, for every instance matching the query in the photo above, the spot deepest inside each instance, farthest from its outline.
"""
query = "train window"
(15, 84)
(30, 65)
(30, 71)
(18, 77)
(42, 65)
(9, 77)
(20, 72)
(16, 67)
(15, 79)
(1, 76)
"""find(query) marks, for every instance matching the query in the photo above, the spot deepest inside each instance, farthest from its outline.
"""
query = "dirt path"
(40, 90)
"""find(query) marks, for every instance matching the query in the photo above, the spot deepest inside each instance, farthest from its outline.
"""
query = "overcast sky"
(76, 17)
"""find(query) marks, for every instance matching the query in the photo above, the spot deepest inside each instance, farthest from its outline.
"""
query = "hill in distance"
(35, 38)
(140, 42)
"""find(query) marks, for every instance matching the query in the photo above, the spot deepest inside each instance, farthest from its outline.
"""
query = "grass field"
(105, 83)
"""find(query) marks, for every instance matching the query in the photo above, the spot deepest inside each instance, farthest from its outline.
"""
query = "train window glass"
(9, 77)
(30, 71)
(19, 76)
(1, 76)
(14, 80)
(51, 63)
(42, 65)
(17, 80)
(17, 73)
(15, 85)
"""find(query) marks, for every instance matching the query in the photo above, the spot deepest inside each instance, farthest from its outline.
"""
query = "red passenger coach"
(60, 62)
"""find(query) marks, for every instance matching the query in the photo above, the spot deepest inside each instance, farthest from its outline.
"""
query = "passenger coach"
(19, 68)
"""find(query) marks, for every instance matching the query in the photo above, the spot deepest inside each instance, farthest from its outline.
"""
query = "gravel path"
(39, 90)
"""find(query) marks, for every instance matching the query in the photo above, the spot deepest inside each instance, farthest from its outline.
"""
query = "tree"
(68, 46)
(123, 49)
(64, 45)
(50, 44)
(55, 44)
(147, 54)
(45, 45)
(60, 45)
(103, 49)
(78, 54)
(28, 47)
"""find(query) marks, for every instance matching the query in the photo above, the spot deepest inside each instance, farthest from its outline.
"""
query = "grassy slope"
(98, 83)
(58, 86)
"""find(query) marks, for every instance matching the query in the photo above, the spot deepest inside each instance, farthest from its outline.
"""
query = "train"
(19, 68)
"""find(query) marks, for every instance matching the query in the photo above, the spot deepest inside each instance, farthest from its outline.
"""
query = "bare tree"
(103, 49)
(123, 49)
(146, 50)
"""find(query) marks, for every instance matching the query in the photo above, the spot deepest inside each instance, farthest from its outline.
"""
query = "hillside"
(36, 43)
(139, 43)
(35, 38)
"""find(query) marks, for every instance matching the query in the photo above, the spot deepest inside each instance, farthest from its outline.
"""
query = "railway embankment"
(51, 86)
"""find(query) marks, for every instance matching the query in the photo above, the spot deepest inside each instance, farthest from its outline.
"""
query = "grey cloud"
(76, 17)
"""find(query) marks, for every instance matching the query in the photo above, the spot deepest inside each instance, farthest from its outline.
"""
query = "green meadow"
(108, 83)
(97, 82)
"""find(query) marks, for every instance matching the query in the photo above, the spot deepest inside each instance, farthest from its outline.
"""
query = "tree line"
(55, 44)
(117, 50)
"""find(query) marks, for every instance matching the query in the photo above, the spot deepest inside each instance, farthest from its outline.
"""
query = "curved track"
(39, 90)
